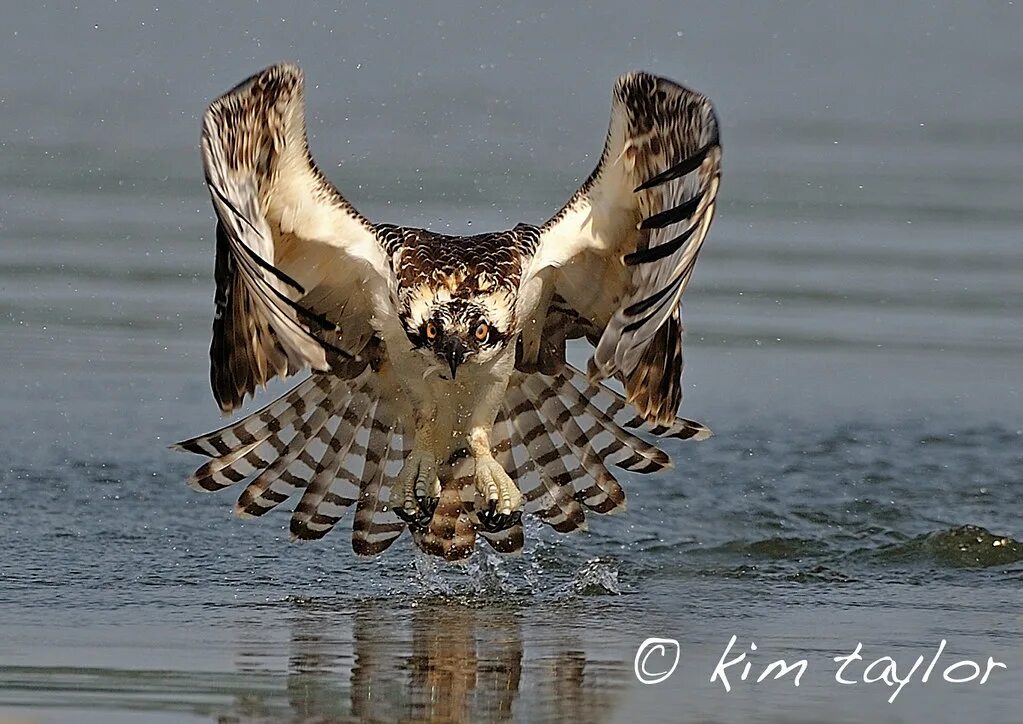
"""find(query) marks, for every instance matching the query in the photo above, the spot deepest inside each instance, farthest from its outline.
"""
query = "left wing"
(300, 273)
(621, 252)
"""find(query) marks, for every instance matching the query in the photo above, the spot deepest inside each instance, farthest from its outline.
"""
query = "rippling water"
(854, 338)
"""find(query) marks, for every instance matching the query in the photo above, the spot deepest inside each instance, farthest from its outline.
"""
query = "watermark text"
(741, 664)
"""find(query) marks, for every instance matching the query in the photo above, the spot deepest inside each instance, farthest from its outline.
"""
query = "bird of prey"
(439, 398)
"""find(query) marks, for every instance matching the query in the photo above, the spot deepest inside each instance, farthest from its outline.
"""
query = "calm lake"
(854, 338)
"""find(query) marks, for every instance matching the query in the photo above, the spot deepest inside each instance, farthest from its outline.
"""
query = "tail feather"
(451, 532)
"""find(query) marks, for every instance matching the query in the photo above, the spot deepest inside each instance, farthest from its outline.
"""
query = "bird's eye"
(431, 330)
(482, 331)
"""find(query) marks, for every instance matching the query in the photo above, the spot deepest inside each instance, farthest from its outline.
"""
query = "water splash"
(598, 577)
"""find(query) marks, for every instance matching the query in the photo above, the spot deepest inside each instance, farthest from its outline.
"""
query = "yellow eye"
(431, 330)
(482, 331)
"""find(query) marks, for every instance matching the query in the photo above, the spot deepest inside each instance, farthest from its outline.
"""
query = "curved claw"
(422, 515)
(494, 522)
(427, 506)
(406, 515)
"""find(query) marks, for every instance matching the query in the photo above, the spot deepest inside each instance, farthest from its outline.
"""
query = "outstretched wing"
(299, 271)
(622, 250)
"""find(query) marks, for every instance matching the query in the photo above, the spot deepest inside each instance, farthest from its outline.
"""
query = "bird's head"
(459, 331)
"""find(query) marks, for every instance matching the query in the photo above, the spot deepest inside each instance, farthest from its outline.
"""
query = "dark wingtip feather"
(189, 446)
(673, 215)
(687, 165)
(655, 386)
(656, 253)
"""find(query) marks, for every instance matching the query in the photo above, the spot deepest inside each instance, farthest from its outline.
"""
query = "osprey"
(440, 399)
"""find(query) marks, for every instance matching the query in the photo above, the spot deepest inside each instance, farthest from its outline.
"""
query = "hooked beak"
(455, 353)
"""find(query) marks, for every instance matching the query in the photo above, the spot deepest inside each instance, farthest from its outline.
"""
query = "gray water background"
(854, 338)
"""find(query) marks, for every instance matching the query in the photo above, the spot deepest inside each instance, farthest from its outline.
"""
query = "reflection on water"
(464, 664)
(438, 661)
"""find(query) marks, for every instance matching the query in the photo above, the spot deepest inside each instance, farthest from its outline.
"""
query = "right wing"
(620, 254)
(299, 272)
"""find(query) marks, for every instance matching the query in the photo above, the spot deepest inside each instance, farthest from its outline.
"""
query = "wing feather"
(286, 241)
(638, 224)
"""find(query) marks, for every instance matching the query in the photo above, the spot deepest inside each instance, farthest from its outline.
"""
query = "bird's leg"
(417, 480)
(498, 499)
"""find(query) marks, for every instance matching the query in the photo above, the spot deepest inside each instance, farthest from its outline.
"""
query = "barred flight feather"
(376, 526)
(332, 489)
(616, 410)
(302, 525)
(510, 449)
(595, 407)
(228, 469)
(232, 467)
(552, 499)
(336, 441)
(294, 466)
(661, 166)
(603, 494)
(261, 424)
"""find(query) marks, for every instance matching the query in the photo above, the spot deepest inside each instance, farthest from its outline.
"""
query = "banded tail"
(339, 444)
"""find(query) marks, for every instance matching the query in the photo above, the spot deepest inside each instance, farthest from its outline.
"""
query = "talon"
(499, 497)
(493, 522)
(427, 506)
(421, 514)
(405, 515)
(419, 497)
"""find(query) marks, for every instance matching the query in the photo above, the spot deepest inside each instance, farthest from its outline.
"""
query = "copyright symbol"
(653, 672)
